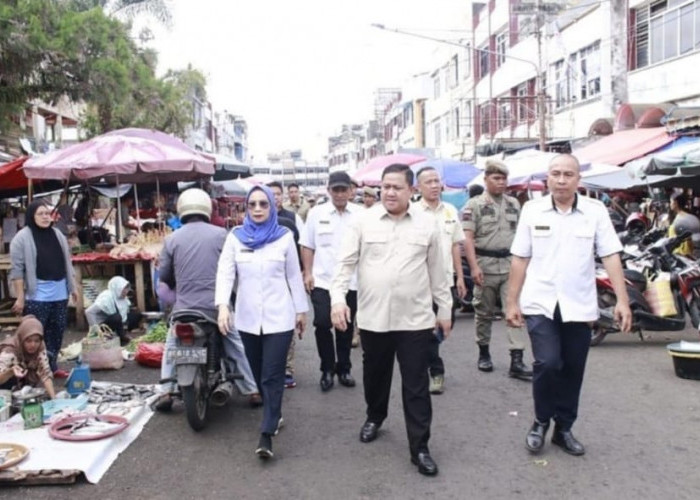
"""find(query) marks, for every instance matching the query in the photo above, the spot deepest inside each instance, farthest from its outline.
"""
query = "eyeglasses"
(340, 189)
(262, 204)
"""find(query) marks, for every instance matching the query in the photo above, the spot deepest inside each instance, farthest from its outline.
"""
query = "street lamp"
(541, 108)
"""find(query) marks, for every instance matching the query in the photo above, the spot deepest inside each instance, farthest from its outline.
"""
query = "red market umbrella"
(371, 174)
(11, 175)
(129, 155)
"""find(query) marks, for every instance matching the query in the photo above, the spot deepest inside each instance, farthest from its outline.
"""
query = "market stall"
(123, 156)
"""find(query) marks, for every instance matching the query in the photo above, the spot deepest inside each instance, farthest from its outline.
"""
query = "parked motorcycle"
(201, 370)
(685, 289)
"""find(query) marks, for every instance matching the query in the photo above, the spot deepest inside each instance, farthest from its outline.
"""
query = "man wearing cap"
(369, 196)
(447, 219)
(320, 243)
(489, 222)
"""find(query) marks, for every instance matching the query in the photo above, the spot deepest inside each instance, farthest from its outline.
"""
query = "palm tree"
(130, 9)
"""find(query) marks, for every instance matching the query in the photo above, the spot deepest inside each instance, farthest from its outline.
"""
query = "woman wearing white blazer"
(260, 257)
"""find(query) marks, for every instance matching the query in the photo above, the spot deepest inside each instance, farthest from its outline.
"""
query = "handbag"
(101, 349)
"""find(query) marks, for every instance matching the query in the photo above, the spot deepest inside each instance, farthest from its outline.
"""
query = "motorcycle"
(201, 369)
(685, 289)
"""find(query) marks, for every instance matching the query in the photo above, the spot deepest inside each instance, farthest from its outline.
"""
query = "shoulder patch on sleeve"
(467, 214)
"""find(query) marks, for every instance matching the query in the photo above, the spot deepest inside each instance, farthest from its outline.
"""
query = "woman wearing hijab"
(111, 307)
(261, 257)
(43, 277)
(23, 359)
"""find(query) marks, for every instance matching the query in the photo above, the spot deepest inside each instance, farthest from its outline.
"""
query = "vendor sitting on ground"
(112, 308)
(23, 359)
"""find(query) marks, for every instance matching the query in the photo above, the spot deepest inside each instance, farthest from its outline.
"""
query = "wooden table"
(81, 268)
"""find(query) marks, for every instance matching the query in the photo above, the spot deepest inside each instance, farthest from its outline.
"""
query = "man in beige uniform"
(447, 219)
(295, 203)
(489, 222)
(397, 253)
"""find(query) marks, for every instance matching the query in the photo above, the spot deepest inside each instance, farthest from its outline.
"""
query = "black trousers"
(411, 350)
(560, 350)
(321, 300)
(435, 364)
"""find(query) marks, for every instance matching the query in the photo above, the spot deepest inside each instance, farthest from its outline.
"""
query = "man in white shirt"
(447, 220)
(320, 242)
(553, 266)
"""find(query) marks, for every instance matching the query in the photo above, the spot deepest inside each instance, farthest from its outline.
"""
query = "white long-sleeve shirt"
(270, 289)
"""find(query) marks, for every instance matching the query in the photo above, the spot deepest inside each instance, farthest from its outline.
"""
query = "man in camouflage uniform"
(489, 222)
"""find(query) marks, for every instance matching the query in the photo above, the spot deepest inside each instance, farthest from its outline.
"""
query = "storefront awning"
(624, 146)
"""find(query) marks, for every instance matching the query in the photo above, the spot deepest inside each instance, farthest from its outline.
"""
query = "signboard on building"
(529, 8)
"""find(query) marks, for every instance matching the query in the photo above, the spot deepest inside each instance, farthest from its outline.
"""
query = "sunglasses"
(261, 204)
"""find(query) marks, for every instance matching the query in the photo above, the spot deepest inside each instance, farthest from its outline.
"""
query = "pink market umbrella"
(371, 174)
(129, 155)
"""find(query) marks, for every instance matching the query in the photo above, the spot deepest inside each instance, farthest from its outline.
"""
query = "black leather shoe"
(369, 432)
(346, 380)
(426, 464)
(326, 381)
(534, 441)
(567, 442)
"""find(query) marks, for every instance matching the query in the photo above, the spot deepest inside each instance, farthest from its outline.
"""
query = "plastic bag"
(660, 297)
(101, 349)
(150, 354)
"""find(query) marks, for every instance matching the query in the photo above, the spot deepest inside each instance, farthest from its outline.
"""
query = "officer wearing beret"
(489, 222)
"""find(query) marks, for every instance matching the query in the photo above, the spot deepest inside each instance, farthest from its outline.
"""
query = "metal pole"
(138, 216)
(541, 105)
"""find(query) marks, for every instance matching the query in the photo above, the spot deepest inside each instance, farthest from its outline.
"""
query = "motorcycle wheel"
(694, 312)
(597, 335)
(196, 400)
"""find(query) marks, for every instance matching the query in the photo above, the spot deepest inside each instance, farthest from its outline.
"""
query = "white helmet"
(194, 201)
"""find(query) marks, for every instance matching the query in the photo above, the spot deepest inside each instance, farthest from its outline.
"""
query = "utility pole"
(540, 10)
(517, 9)
(541, 104)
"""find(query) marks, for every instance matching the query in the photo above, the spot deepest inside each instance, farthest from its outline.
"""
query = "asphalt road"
(639, 422)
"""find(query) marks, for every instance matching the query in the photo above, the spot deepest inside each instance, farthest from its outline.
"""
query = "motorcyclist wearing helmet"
(683, 221)
(188, 265)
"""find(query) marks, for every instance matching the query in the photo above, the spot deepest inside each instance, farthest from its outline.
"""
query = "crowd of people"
(388, 268)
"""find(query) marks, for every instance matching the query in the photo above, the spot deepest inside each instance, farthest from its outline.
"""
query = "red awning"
(11, 175)
(623, 146)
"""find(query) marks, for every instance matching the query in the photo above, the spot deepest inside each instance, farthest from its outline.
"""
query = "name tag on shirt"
(540, 231)
(246, 250)
(324, 222)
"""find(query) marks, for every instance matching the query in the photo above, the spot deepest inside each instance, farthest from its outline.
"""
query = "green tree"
(73, 48)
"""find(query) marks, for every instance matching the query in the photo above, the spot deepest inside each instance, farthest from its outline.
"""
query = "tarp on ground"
(623, 146)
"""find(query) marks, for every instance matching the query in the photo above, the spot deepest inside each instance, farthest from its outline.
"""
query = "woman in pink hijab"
(23, 359)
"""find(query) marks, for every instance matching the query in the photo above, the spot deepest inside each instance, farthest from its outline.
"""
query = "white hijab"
(111, 301)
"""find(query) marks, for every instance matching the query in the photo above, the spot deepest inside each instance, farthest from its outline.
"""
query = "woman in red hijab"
(23, 359)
